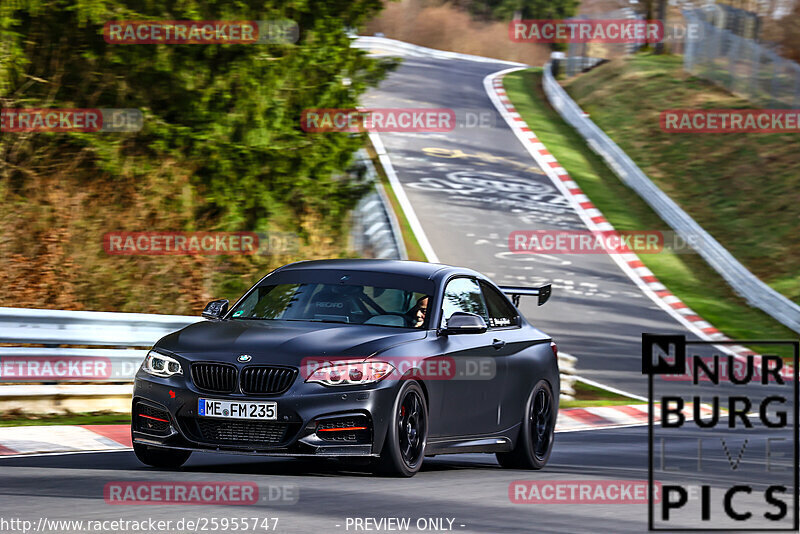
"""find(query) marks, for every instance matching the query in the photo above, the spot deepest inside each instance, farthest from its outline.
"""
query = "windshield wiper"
(316, 321)
(294, 320)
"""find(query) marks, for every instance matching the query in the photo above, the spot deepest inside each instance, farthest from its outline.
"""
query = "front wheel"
(404, 448)
(535, 441)
(158, 457)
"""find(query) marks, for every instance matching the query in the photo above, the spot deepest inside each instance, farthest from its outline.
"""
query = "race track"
(469, 188)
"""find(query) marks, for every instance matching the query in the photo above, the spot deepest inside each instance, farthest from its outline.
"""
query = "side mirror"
(464, 323)
(215, 309)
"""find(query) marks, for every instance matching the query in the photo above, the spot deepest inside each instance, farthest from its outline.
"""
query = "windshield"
(335, 303)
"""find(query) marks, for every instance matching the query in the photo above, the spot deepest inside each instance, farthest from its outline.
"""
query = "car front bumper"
(164, 412)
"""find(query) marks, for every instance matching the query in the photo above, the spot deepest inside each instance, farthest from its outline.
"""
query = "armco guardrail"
(24, 364)
(745, 283)
(106, 329)
(567, 375)
(60, 327)
(96, 329)
(375, 227)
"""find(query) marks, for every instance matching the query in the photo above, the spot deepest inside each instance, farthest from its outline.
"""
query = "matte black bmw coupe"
(388, 360)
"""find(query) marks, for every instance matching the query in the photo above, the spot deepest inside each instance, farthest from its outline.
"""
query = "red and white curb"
(575, 419)
(24, 440)
(65, 439)
(594, 220)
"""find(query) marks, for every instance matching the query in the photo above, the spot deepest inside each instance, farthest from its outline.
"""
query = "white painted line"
(402, 198)
(609, 388)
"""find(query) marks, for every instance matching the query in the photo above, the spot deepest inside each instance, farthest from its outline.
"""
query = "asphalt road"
(469, 189)
(471, 490)
(473, 186)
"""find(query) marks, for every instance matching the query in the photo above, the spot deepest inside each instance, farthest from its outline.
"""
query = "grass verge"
(413, 249)
(587, 396)
(686, 275)
(743, 188)
(83, 418)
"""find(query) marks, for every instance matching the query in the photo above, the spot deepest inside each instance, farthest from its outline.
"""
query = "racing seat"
(331, 304)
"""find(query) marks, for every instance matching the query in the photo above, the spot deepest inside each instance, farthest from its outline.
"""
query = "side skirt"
(495, 443)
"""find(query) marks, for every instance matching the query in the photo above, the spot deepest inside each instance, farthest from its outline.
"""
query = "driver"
(419, 311)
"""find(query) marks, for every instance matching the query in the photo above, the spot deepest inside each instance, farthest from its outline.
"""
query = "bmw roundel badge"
(244, 358)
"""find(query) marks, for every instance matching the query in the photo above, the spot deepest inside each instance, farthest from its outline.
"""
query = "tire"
(404, 448)
(158, 457)
(535, 442)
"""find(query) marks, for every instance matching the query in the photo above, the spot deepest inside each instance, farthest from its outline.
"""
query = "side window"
(501, 313)
(464, 295)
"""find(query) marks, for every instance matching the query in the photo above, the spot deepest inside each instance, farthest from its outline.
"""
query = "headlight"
(349, 374)
(159, 365)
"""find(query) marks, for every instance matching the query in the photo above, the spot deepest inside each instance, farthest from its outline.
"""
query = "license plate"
(237, 410)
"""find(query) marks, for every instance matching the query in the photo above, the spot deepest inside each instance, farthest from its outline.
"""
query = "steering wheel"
(406, 318)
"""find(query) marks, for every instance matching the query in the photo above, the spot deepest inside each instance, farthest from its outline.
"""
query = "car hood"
(281, 342)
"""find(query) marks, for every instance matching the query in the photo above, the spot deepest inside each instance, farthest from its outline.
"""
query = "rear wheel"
(535, 441)
(404, 449)
(158, 457)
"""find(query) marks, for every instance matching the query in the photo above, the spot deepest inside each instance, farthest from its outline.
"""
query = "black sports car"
(388, 360)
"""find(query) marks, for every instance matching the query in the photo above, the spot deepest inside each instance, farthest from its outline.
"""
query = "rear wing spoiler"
(515, 292)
